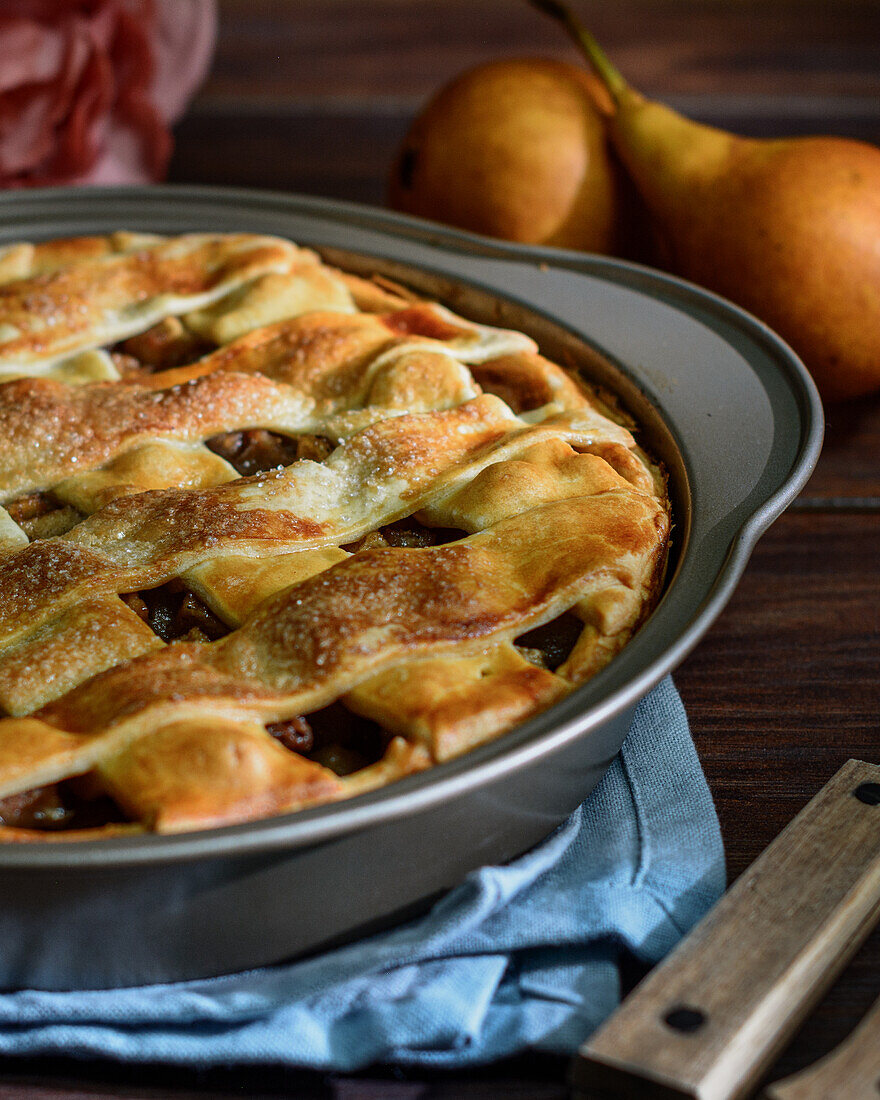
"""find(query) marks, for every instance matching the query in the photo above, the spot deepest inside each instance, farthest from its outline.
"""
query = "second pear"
(787, 228)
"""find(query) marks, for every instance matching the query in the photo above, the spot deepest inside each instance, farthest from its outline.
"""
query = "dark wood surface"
(314, 97)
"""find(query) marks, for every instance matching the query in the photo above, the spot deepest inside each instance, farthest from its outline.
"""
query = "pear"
(787, 228)
(514, 149)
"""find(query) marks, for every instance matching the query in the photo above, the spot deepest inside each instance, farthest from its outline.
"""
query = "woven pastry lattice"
(438, 533)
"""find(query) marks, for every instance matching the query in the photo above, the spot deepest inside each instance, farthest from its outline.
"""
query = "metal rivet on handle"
(869, 793)
(684, 1018)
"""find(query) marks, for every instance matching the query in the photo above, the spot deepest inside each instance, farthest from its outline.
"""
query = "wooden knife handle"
(707, 1021)
(850, 1072)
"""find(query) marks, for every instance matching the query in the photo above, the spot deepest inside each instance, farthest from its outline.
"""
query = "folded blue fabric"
(523, 955)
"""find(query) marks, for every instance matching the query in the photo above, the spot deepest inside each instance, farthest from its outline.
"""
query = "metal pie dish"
(719, 399)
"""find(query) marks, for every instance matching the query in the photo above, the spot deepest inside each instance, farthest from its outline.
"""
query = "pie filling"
(339, 739)
(166, 345)
(548, 646)
(405, 532)
(176, 614)
(41, 516)
(567, 473)
(71, 804)
(256, 450)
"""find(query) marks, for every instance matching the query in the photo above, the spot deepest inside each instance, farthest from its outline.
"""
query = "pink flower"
(89, 87)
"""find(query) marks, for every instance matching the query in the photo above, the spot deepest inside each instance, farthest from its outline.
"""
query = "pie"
(274, 534)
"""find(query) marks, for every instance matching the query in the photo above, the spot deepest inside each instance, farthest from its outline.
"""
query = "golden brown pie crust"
(459, 491)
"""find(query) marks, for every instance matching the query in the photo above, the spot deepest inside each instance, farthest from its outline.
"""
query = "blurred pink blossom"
(88, 88)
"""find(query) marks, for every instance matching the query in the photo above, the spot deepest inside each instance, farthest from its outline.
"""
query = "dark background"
(316, 94)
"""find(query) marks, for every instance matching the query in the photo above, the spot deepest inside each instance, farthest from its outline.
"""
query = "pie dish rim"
(575, 716)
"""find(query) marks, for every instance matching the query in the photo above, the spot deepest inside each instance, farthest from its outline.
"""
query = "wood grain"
(711, 1016)
(782, 690)
(786, 685)
(366, 50)
(849, 466)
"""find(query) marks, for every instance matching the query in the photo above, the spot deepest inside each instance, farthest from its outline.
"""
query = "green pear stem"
(587, 44)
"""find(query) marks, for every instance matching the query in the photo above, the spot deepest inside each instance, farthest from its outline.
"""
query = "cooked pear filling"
(176, 614)
(549, 645)
(256, 450)
(41, 516)
(166, 345)
(293, 733)
(345, 742)
(334, 737)
(72, 804)
(406, 532)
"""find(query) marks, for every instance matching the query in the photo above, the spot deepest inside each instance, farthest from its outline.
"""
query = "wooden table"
(314, 97)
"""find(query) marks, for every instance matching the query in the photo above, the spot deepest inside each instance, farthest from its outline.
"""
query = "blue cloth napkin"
(523, 955)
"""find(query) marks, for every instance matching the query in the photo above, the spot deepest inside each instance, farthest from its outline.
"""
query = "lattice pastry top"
(274, 535)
